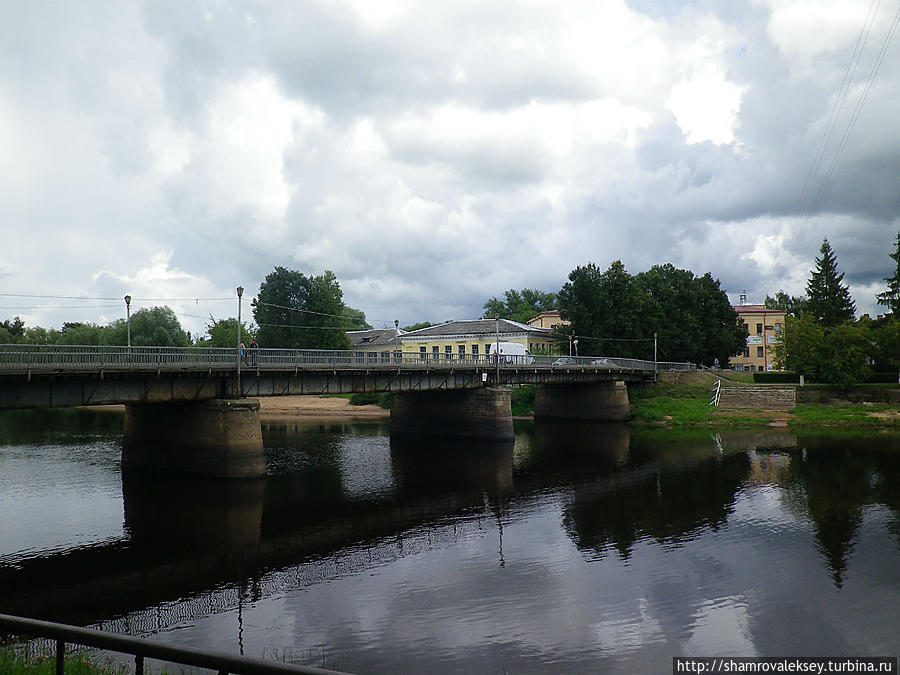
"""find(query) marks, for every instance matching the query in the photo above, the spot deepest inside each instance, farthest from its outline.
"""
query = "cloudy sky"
(434, 154)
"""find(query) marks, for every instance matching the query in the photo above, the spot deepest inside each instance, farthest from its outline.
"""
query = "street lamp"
(128, 315)
(575, 342)
(497, 348)
(240, 292)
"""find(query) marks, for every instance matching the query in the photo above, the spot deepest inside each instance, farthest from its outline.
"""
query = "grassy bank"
(687, 405)
(25, 661)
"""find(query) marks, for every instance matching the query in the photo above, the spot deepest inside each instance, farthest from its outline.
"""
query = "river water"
(577, 548)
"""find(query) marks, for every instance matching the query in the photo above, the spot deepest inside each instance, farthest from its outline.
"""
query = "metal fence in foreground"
(144, 649)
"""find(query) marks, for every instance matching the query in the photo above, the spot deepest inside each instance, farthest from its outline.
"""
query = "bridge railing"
(93, 358)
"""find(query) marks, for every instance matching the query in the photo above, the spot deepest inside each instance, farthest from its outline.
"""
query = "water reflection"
(587, 543)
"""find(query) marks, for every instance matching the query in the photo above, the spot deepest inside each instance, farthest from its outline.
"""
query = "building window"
(461, 349)
(747, 328)
(435, 352)
(747, 352)
(474, 350)
(759, 329)
(448, 352)
(777, 329)
(759, 351)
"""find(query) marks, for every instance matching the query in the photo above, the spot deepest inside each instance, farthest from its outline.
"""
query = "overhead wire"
(879, 59)
(838, 104)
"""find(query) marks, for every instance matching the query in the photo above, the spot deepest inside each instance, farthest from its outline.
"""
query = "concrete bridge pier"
(219, 438)
(601, 401)
(482, 413)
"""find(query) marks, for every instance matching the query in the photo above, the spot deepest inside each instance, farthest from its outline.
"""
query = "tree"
(12, 332)
(789, 304)
(834, 355)
(150, 327)
(300, 312)
(607, 311)
(891, 297)
(77, 333)
(692, 316)
(829, 300)
(356, 319)
(520, 305)
(224, 333)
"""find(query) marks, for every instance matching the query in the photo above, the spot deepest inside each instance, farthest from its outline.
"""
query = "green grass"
(382, 400)
(675, 404)
(27, 661)
(522, 402)
(824, 415)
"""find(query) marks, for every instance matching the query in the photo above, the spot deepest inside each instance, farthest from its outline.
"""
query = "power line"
(838, 104)
(87, 297)
(879, 59)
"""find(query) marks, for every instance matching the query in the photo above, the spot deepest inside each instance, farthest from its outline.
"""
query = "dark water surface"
(578, 548)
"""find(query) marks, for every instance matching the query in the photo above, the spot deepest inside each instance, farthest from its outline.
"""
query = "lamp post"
(497, 348)
(240, 292)
(128, 319)
(655, 366)
(575, 342)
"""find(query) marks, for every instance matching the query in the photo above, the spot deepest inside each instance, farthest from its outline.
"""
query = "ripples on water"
(578, 548)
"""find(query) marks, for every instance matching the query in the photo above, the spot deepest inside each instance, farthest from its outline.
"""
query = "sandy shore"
(281, 408)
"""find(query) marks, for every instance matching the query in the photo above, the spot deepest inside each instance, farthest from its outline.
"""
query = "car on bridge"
(564, 361)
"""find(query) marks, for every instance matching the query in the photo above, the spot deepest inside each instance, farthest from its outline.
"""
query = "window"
(461, 349)
(747, 328)
(777, 329)
(435, 351)
(474, 350)
(759, 351)
(448, 352)
(747, 352)
(759, 329)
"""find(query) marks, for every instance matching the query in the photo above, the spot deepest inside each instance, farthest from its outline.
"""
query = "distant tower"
(743, 300)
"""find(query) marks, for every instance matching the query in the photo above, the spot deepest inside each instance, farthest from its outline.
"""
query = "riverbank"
(686, 403)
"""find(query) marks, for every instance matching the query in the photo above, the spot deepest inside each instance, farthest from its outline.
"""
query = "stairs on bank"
(757, 397)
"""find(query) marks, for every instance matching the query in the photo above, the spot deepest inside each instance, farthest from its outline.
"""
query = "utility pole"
(655, 366)
(497, 348)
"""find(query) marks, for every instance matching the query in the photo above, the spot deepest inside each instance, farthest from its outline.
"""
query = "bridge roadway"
(38, 376)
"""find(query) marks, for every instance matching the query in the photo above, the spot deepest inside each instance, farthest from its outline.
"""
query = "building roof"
(755, 309)
(378, 336)
(474, 327)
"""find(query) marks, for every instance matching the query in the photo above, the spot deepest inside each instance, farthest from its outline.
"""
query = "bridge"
(194, 409)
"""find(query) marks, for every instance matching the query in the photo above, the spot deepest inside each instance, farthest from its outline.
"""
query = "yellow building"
(763, 327)
(472, 338)
(549, 319)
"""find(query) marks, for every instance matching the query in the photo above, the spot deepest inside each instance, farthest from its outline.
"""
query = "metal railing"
(145, 649)
(75, 358)
(714, 401)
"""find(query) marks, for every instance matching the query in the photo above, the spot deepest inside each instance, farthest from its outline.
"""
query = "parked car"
(564, 361)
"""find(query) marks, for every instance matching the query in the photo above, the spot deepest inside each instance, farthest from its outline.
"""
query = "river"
(576, 548)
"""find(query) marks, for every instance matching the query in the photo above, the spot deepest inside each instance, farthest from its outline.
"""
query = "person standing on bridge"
(242, 350)
(254, 350)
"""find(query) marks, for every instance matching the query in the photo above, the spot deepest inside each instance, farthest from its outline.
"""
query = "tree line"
(823, 339)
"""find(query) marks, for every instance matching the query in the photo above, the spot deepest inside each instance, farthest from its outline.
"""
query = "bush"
(776, 378)
(382, 400)
(522, 401)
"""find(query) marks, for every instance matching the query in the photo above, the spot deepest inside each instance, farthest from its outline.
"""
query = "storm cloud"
(436, 154)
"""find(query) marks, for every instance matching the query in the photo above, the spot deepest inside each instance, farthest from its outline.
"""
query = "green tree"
(224, 333)
(692, 316)
(891, 297)
(77, 333)
(37, 336)
(829, 300)
(607, 311)
(885, 348)
(296, 311)
(789, 304)
(12, 332)
(356, 319)
(150, 327)
(520, 305)
(834, 355)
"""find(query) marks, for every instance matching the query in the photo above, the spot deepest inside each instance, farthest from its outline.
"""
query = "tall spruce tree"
(891, 297)
(829, 301)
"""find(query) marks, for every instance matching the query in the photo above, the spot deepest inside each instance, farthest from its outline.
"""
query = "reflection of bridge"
(192, 542)
(199, 421)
